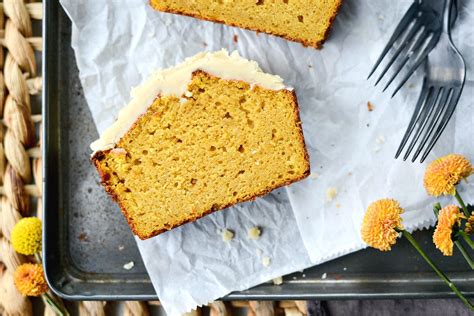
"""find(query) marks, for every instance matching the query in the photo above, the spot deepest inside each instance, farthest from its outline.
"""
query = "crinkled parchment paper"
(352, 148)
(119, 43)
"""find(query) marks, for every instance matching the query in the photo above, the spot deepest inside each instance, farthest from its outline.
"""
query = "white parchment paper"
(192, 265)
(119, 43)
(352, 149)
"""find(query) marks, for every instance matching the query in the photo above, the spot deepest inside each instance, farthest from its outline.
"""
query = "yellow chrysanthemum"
(470, 224)
(443, 174)
(29, 279)
(448, 217)
(381, 220)
(26, 236)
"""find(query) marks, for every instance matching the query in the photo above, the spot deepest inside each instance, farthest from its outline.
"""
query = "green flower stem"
(464, 253)
(54, 305)
(436, 209)
(461, 202)
(467, 239)
(466, 212)
(413, 242)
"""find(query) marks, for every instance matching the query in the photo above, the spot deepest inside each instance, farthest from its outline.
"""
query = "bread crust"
(105, 177)
(317, 45)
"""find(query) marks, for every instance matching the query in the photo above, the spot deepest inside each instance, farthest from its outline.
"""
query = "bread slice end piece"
(316, 42)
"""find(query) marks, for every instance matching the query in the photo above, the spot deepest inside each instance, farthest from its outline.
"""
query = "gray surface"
(442, 307)
(84, 229)
(87, 240)
(97, 231)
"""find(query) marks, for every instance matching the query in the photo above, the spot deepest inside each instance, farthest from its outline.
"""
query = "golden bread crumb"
(370, 106)
(380, 139)
(254, 233)
(227, 235)
(331, 194)
(129, 265)
(266, 261)
(278, 280)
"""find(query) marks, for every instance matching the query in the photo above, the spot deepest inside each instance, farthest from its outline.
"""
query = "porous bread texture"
(304, 21)
(221, 143)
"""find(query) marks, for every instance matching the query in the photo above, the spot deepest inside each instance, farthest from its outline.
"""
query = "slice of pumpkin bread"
(305, 21)
(211, 143)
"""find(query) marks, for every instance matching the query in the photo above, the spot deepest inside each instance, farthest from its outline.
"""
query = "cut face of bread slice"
(219, 143)
(305, 21)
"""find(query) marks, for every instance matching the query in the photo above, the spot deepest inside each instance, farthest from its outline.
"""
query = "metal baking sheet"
(87, 241)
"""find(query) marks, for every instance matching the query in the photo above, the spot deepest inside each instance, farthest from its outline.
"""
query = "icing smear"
(175, 80)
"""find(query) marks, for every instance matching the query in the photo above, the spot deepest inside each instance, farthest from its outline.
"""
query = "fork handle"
(448, 5)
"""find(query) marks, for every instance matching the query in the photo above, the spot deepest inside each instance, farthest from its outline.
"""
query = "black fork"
(413, 39)
(442, 87)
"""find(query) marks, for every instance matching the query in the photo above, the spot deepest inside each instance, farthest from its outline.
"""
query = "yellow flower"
(29, 279)
(443, 174)
(448, 217)
(26, 236)
(380, 222)
(470, 224)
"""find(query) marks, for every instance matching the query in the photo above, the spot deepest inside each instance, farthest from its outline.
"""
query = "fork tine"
(439, 108)
(425, 113)
(411, 50)
(444, 122)
(421, 58)
(412, 32)
(422, 99)
(396, 72)
(398, 30)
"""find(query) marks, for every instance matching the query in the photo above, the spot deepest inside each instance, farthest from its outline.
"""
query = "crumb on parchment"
(266, 261)
(370, 106)
(227, 235)
(254, 233)
(380, 139)
(331, 194)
